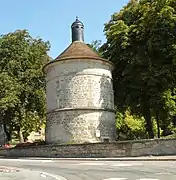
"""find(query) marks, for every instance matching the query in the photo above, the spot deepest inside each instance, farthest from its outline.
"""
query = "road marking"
(57, 177)
(122, 165)
(146, 179)
(91, 164)
(163, 173)
(43, 175)
(115, 179)
(127, 165)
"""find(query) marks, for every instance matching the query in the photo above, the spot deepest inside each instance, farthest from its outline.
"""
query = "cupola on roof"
(77, 22)
(77, 30)
(78, 49)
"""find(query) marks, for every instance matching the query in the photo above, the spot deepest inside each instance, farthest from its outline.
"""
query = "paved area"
(141, 158)
(14, 173)
(91, 170)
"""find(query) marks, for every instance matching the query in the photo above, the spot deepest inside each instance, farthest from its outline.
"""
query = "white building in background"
(80, 98)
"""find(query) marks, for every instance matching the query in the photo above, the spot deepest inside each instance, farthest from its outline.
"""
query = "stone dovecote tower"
(79, 92)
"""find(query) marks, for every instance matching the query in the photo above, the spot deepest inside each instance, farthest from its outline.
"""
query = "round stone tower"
(79, 92)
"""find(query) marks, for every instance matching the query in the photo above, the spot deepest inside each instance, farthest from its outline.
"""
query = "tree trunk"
(158, 125)
(174, 121)
(149, 126)
(20, 135)
(8, 133)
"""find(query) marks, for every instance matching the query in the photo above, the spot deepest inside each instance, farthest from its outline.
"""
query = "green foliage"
(141, 42)
(8, 93)
(95, 45)
(130, 127)
(22, 82)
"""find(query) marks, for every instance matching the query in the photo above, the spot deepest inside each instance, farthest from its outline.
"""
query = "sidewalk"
(142, 158)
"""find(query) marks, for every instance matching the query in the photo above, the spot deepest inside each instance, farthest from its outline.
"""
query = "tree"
(22, 100)
(141, 42)
(95, 45)
(130, 127)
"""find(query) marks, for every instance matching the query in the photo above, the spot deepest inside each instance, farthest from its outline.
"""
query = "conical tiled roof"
(78, 49)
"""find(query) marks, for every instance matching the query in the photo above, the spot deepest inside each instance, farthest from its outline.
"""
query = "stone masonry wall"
(80, 126)
(80, 101)
(117, 149)
(79, 84)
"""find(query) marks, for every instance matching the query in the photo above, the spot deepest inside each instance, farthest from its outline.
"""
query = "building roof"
(78, 49)
(77, 22)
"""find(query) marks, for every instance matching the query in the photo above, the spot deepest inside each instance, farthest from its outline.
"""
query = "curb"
(148, 158)
(144, 158)
(116, 159)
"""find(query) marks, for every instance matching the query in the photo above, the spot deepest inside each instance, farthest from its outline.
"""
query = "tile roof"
(77, 49)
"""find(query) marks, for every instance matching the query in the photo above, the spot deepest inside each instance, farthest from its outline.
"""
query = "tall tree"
(141, 42)
(23, 84)
(95, 45)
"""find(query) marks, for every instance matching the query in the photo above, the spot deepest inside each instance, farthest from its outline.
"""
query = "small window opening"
(106, 140)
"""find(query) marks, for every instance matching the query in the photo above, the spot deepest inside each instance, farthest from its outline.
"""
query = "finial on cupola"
(77, 30)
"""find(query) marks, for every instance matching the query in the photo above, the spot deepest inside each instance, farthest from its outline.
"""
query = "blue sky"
(51, 19)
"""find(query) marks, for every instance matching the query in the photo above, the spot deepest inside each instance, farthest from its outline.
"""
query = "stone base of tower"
(73, 126)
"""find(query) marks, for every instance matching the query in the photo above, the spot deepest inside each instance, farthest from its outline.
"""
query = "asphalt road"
(48, 169)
